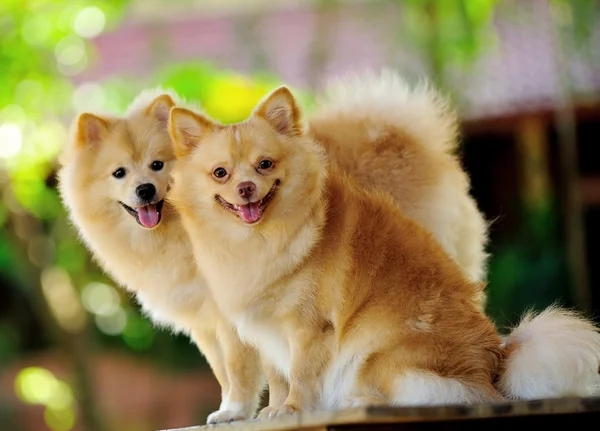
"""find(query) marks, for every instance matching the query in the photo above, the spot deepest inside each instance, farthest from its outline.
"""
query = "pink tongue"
(249, 212)
(148, 215)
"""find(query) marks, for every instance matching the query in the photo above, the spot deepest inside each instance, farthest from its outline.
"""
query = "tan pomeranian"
(114, 177)
(349, 301)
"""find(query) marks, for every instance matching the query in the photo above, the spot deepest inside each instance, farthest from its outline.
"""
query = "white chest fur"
(270, 341)
(159, 269)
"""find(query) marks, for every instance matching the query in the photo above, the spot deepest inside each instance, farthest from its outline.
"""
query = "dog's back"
(401, 304)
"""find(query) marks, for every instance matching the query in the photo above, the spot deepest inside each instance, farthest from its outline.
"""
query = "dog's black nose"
(246, 189)
(146, 191)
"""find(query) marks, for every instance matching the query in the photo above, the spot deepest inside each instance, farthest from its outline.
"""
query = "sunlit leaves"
(12, 140)
(43, 44)
(89, 22)
(35, 385)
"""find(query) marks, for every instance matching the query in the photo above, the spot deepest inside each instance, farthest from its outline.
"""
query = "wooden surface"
(498, 416)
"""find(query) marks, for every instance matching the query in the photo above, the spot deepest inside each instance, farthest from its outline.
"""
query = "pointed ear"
(90, 129)
(280, 109)
(160, 108)
(187, 128)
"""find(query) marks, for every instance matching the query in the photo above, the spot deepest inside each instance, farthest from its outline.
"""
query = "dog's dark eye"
(219, 173)
(119, 173)
(157, 165)
(265, 164)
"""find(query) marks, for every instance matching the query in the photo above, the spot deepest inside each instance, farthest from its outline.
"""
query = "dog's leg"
(278, 390)
(245, 376)
(235, 366)
(309, 357)
(205, 338)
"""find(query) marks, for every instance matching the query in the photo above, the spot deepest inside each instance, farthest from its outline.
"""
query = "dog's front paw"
(359, 401)
(224, 416)
(266, 413)
(283, 410)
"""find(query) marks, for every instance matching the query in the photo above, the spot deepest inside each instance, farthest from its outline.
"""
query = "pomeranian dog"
(113, 180)
(349, 301)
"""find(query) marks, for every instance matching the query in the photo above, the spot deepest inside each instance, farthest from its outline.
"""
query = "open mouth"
(147, 216)
(251, 212)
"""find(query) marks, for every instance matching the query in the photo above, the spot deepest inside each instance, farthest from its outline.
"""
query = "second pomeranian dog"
(347, 299)
(114, 178)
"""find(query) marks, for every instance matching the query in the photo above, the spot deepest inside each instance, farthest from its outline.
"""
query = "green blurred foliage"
(528, 271)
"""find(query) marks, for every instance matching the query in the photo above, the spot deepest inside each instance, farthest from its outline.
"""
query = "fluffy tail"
(555, 353)
(386, 98)
(401, 139)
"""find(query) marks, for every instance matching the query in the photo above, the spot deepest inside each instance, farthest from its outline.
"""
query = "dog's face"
(251, 172)
(122, 166)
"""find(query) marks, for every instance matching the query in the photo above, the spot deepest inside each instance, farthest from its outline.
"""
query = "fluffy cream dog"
(348, 300)
(114, 180)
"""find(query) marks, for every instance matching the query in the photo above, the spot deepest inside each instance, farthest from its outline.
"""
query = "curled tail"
(555, 353)
(401, 139)
(385, 99)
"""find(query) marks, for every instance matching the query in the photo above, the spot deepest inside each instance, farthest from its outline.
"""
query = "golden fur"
(348, 301)
(343, 295)
(154, 264)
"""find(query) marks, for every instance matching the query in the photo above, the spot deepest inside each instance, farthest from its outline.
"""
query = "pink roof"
(519, 76)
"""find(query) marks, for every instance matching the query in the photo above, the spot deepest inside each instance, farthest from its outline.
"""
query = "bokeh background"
(75, 352)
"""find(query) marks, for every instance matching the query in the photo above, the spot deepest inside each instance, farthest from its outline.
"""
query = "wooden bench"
(566, 414)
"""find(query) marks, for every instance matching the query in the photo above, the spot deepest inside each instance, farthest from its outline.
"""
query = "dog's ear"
(90, 130)
(160, 108)
(187, 128)
(279, 108)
